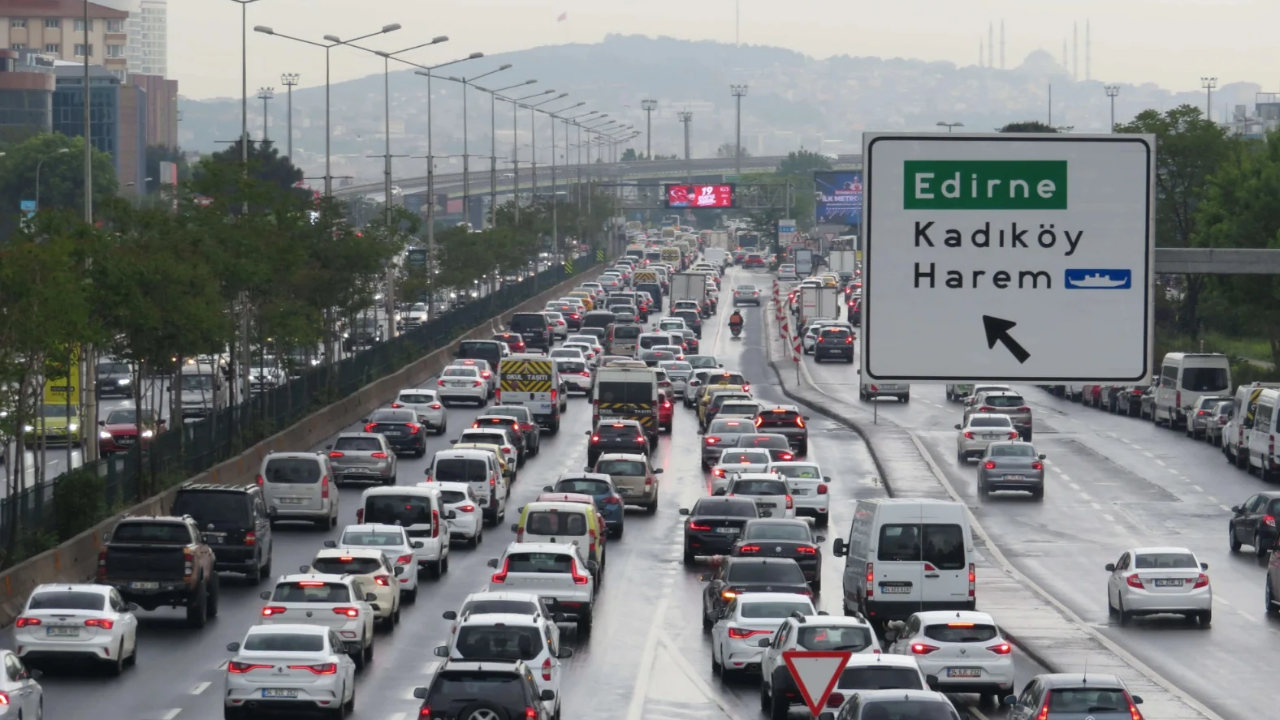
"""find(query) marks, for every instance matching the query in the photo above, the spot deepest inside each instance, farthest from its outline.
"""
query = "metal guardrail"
(1218, 261)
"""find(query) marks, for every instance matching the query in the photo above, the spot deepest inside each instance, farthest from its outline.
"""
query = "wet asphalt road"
(1116, 483)
(647, 659)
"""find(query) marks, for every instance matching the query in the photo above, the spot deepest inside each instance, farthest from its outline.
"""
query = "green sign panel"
(418, 257)
(568, 266)
(600, 256)
(985, 185)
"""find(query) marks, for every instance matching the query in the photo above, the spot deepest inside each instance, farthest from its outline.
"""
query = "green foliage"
(80, 502)
(726, 151)
(266, 164)
(157, 154)
(1028, 126)
(61, 176)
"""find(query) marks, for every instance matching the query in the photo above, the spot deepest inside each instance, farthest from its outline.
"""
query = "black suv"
(785, 420)
(692, 320)
(737, 575)
(714, 524)
(834, 343)
(235, 524)
(465, 690)
(616, 436)
(115, 378)
(490, 350)
(533, 328)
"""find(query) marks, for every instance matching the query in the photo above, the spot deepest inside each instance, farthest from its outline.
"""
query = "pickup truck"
(158, 561)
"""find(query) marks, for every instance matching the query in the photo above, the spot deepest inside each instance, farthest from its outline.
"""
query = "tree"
(1189, 148)
(726, 151)
(265, 163)
(629, 155)
(157, 154)
(1028, 126)
(61, 176)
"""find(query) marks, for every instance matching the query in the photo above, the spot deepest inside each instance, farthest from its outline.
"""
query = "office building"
(162, 108)
(57, 27)
(26, 95)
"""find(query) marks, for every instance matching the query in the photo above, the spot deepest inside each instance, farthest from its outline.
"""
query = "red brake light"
(1000, 649)
(639, 438)
(748, 549)
(369, 428)
(239, 668)
(1202, 581)
(440, 383)
(990, 465)
(348, 611)
(379, 455)
(486, 374)
(27, 621)
(743, 634)
(835, 700)
(1037, 466)
(260, 481)
(546, 670)
(272, 611)
(791, 503)
(404, 559)
(435, 406)
(692, 526)
(786, 456)
(383, 580)
(922, 648)
(336, 454)
(1044, 711)
(578, 578)
(396, 405)
(435, 523)
(968, 435)
(466, 508)
(325, 669)
(1134, 581)
(1269, 520)
(729, 594)
(415, 427)
(99, 623)
(822, 489)
(595, 438)
(530, 713)
(1133, 709)
(501, 575)
(713, 440)
(324, 488)
(1013, 435)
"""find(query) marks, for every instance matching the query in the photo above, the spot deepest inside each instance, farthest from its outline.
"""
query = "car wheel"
(350, 705)
(715, 664)
(1270, 601)
(198, 613)
(117, 665)
(1125, 617)
(231, 713)
(1111, 609)
(688, 556)
(1233, 542)
(1206, 618)
(1038, 493)
(983, 490)
(584, 623)
(368, 652)
(1258, 548)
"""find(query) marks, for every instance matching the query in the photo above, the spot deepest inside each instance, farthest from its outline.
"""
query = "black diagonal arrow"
(998, 331)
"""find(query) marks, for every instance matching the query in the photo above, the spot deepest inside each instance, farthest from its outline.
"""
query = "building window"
(80, 50)
(115, 26)
(80, 25)
(53, 49)
(120, 74)
(17, 46)
(52, 23)
(17, 23)
(115, 51)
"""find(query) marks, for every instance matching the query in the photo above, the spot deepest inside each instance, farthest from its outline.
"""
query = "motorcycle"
(736, 330)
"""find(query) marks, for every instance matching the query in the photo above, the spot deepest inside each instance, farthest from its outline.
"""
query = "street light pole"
(738, 91)
(289, 80)
(950, 125)
(515, 147)
(533, 140)
(493, 146)
(466, 156)
(649, 106)
(686, 117)
(1112, 92)
(1208, 83)
(265, 95)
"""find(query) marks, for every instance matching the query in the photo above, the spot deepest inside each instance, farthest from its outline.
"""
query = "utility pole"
(1112, 92)
(289, 80)
(1208, 83)
(739, 91)
(649, 106)
(686, 117)
(265, 95)
(90, 389)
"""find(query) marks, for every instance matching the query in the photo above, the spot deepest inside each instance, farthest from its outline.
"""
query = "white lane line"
(1211, 499)
(396, 716)
(1148, 454)
(1174, 472)
(1160, 462)
(1085, 496)
(1225, 508)
(1108, 518)
(1065, 476)
(635, 709)
(200, 688)
(1127, 441)
(1096, 506)
(1198, 488)
(1074, 486)
(171, 714)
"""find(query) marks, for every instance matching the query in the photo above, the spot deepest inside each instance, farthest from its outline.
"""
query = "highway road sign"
(816, 674)
(1014, 257)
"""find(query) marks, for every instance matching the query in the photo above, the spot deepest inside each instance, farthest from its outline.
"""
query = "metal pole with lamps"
(648, 106)
(533, 139)
(265, 95)
(950, 125)
(686, 117)
(289, 80)
(1112, 92)
(1208, 83)
(555, 201)
(90, 375)
(244, 77)
(493, 146)
(739, 92)
(466, 160)
(515, 146)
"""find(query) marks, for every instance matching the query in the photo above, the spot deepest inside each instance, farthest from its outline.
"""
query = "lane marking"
(200, 688)
(1159, 461)
(1198, 488)
(1064, 475)
(1174, 472)
(1085, 496)
(635, 709)
(1224, 507)
(1096, 506)
(396, 716)
(1211, 499)
(171, 714)
(1075, 486)
(1108, 518)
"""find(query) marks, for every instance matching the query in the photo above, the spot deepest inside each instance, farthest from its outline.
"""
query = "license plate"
(458, 384)
(989, 436)
(727, 530)
(279, 693)
(356, 470)
(144, 585)
(1015, 477)
(62, 632)
(767, 505)
(902, 589)
(1169, 583)
(964, 672)
(624, 491)
(126, 440)
(292, 501)
(214, 539)
(798, 491)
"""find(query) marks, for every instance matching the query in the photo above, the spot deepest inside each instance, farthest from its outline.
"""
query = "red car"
(513, 341)
(753, 260)
(666, 411)
(120, 430)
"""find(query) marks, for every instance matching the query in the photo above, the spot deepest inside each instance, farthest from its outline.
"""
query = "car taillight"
(1269, 520)
(335, 454)
(743, 633)
(729, 594)
(348, 611)
(595, 438)
(383, 580)
(968, 435)
(396, 405)
(102, 566)
(415, 427)
(718, 472)
(1133, 709)
(239, 668)
(501, 575)
(699, 528)
(922, 648)
(1201, 413)
(360, 511)
(1202, 581)
(713, 440)
(530, 713)
(468, 508)
(1013, 435)
(807, 550)
(272, 611)
(835, 700)
(822, 490)
(984, 408)
(973, 580)
(1037, 466)
(188, 561)
(27, 621)
(404, 559)
(324, 669)
(435, 406)
(324, 488)
(251, 538)
(486, 374)
(378, 455)
(848, 341)
(791, 503)
(259, 480)
(440, 383)
(1134, 581)
(435, 523)
(1000, 648)
(639, 438)
(1044, 710)
(578, 577)
(990, 465)
(369, 428)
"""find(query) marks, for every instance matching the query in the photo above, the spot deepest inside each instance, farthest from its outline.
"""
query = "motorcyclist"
(735, 321)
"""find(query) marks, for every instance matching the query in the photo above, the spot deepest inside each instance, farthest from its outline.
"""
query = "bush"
(80, 502)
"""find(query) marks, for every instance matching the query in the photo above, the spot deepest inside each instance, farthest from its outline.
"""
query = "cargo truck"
(819, 303)
(689, 286)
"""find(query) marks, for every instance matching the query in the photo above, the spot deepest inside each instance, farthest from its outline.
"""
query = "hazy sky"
(1170, 42)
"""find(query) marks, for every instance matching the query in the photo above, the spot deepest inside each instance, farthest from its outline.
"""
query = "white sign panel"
(787, 232)
(1008, 257)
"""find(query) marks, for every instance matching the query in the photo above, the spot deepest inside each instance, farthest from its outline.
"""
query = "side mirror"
(450, 615)
(1137, 699)
(304, 569)
(565, 653)
(370, 597)
(957, 426)
(364, 420)
(1237, 509)
(399, 570)
(657, 471)
(548, 488)
(102, 423)
(1204, 566)
(265, 594)
(586, 433)
(420, 693)
(515, 527)
(453, 442)
(826, 478)
(719, 491)
(548, 695)
(704, 577)
(233, 647)
(330, 544)
(1110, 567)
(839, 549)
(820, 538)
(560, 617)
(132, 607)
(764, 642)
(827, 716)
(593, 567)
(441, 651)
(806, 417)
(684, 511)
(328, 447)
(932, 681)
(451, 515)
(492, 562)
(766, 513)
(1009, 700)
(1043, 457)
(418, 545)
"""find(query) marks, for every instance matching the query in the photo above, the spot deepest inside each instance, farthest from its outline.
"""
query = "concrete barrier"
(76, 560)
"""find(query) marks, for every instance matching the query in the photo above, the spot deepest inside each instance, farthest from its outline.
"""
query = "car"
(834, 342)
(362, 457)
(617, 436)
(878, 704)
(746, 293)
(570, 313)
(964, 651)
(691, 339)
(565, 518)
(234, 522)
(676, 350)
(491, 351)
(1253, 523)
(115, 377)
(265, 372)
(1159, 580)
(370, 565)
(1066, 696)
(338, 602)
(508, 688)
(600, 488)
(703, 362)
(296, 486)
(808, 487)
(534, 328)
(1011, 465)
(877, 671)
(722, 434)
(503, 637)
(568, 353)
(784, 537)
(467, 520)
(666, 410)
(488, 602)
(76, 621)
(290, 667)
(717, 395)
(415, 317)
(979, 431)
(558, 323)
(588, 345)
(718, 379)
(738, 460)
(785, 420)
(528, 425)
(653, 358)
(811, 633)
(427, 404)
(769, 491)
(401, 428)
(576, 376)
(787, 271)
(513, 341)
(632, 476)
(734, 406)
(121, 430)
(462, 383)
(511, 431)
(1005, 402)
(392, 541)
(777, 445)
(743, 622)
(57, 423)
(735, 577)
(713, 524)
(692, 320)
(874, 391)
(487, 371)
(1199, 416)
(558, 573)
(809, 336)
(482, 468)
(753, 260)
(1219, 416)
(678, 372)
(1128, 400)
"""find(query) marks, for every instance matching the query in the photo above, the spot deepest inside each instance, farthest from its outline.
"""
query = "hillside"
(793, 101)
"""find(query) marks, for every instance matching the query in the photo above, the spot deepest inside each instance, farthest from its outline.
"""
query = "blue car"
(600, 488)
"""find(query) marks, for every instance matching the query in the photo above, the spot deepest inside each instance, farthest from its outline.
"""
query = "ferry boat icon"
(1095, 279)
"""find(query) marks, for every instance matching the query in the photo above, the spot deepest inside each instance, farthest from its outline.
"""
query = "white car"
(576, 375)
(679, 372)
(416, 316)
(517, 603)
(963, 649)
(343, 603)
(300, 667)
(488, 372)
(876, 671)
(462, 383)
(744, 294)
(394, 543)
(559, 573)
(770, 492)
(371, 566)
(812, 633)
(24, 698)
(509, 636)
(590, 350)
(1157, 581)
(486, 436)
(568, 353)
(787, 271)
(809, 488)
(559, 329)
(467, 523)
(979, 431)
(748, 618)
(77, 622)
(670, 325)
(427, 404)
(738, 460)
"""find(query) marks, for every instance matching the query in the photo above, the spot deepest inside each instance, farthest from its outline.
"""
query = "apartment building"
(57, 28)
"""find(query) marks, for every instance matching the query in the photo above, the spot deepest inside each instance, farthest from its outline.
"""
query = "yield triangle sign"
(816, 674)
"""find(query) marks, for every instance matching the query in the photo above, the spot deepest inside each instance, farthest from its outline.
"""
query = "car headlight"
(124, 381)
(27, 428)
(72, 427)
(147, 433)
(104, 435)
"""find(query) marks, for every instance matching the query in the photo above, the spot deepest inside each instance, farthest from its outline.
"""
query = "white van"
(420, 511)
(906, 556)
(299, 486)
(1184, 378)
(202, 390)
(1261, 438)
(480, 470)
(1235, 435)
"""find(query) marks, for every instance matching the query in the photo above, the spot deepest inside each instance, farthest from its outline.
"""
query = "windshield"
(779, 571)
(771, 609)
(1003, 401)
(880, 677)
(701, 361)
(469, 372)
(1013, 450)
(729, 427)
(571, 366)
(759, 487)
(125, 417)
(372, 538)
(59, 411)
(584, 486)
(943, 545)
(295, 471)
(216, 507)
(460, 470)
(357, 444)
(284, 642)
(149, 532)
(459, 689)
(114, 368)
(802, 472)
(744, 457)
(626, 392)
(852, 639)
(311, 591)
(620, 467)
(489, 607)
(346, 565)
(1205, 379)
(1088, 700)
(499, 642)
(961, 632)
(197, 382)
(417, 398)
(555, 522)
(67, 600)
(539, 563)
(989, 422)
(396, 510)
(909, 710)
(777, 531)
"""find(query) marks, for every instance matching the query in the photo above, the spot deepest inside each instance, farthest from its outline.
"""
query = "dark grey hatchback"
(402, 429)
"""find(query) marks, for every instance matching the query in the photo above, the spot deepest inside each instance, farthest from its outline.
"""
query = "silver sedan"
(362, 457)
(1011, 465)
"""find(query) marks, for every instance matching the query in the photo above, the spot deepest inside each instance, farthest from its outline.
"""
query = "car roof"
(303, 577)
(73, 587)
(360, 435)
(1000, 393)
(856, 660)
(525, 619)
(873, 696)
(463, 454)
(502, 595)
(291, 628)
(833, 620)
(570, 475)
(448, 485)
(1093, 680)
(560, 505)
(515, 667)
(757, 476)
(637, 457)
(780, 521)
(536, 547)
(1006, 416)
(374, 527)
(754, 597)
(564, 497)
(949, 616)
(348, 552)
(293, 456)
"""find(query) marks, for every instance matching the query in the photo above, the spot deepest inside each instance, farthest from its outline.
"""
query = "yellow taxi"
(564, 518)
(587, 300)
